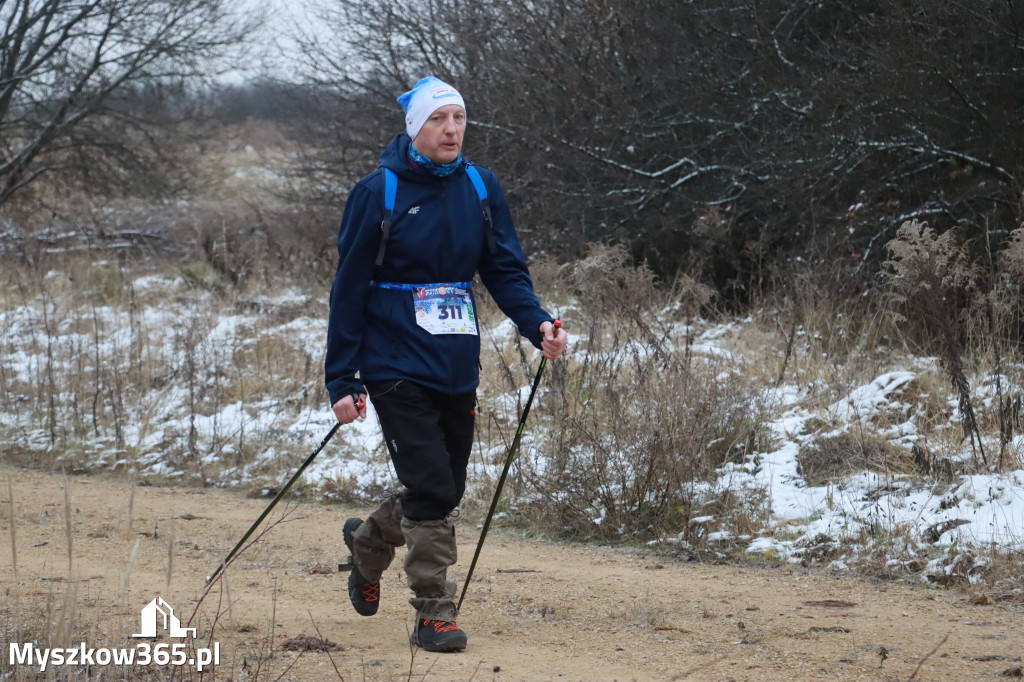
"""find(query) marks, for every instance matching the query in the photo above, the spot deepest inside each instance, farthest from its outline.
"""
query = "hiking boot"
(364, 594)
(438, 635)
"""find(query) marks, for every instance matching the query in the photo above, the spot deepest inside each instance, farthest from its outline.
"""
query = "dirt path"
(534, 611)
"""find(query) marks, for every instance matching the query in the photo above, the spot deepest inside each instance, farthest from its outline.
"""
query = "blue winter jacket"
(437, 235)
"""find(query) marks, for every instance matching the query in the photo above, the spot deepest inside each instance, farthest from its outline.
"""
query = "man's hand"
(350, 408)
(554, 341)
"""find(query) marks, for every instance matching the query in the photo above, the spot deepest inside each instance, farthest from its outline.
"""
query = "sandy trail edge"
(533, 612)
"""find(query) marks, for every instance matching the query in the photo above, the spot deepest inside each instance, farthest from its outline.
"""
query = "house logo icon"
(156, 609)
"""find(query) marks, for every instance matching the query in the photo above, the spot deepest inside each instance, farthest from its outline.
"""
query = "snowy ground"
(976, 514)
(926, 528)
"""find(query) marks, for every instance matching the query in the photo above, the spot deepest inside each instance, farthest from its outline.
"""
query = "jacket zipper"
(444, 199)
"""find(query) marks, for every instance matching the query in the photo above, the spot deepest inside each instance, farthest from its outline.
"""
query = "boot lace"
(442, 625)
(371, 591)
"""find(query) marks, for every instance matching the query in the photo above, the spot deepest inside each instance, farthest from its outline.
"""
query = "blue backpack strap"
(485, 202)
(478, 182)
(390, 192)
(390, 189)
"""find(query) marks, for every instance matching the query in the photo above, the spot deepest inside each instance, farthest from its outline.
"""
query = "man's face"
(440, 138)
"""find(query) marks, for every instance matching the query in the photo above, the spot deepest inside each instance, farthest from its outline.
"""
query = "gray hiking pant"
(431, 550)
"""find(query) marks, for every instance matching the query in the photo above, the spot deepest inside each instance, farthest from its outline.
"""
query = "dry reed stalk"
(14, 606)
(63, 617)
(131, 500)
(127, 575)
(227, 593)
(67, 523)
(15, 593)
(273, 617)
(335, 665)
(14, 541)
(73, 610)
(170, 556)
(49, 615)
(65, 629)
(927, 656)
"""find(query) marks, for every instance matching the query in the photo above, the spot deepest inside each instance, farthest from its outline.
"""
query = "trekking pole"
(309, 460)
(504, 472)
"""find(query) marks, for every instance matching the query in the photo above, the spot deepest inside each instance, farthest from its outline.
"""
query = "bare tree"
(73, 74)
(719, 136)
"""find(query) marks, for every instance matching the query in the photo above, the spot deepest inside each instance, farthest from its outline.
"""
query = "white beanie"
(428, 95)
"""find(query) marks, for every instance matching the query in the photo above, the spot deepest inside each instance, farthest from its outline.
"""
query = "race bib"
(444, 310)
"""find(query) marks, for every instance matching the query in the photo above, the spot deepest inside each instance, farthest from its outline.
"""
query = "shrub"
(641, 420)
(934, 286)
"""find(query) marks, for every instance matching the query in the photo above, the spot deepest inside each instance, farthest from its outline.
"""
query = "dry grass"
(107, 369)
(632, 419)
(639, 414)
(100, 361)
(74, 614)
(831, 459)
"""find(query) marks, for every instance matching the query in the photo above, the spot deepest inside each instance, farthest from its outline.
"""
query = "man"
(403, 318)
